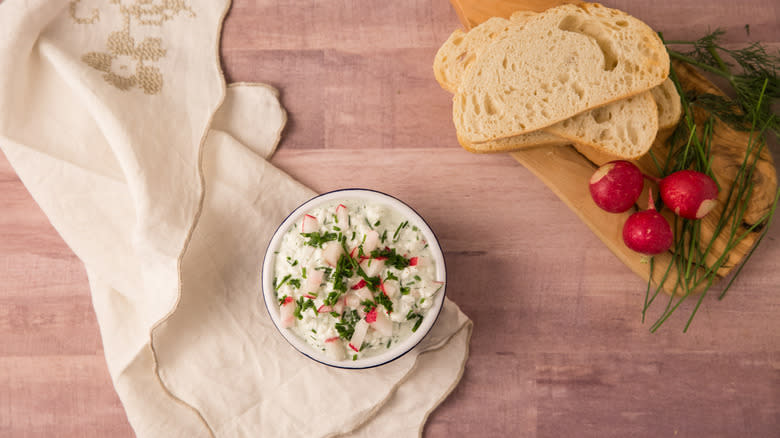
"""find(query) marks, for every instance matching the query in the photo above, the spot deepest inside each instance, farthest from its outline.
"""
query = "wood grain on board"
(558, 347)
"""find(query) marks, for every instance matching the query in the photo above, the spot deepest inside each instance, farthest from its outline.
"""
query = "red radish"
(309, 296)
(616, 186)
(335, 349)
(314, 280)
(413, 261)
(331, 253)
(342, 217)
(287, 312)
(381, 322)
(364, 294)
(371, 316)
(309, 224)
(359, 284)
(361, 327)
(371, 242)
(352, 301)
(325, 309)
(339, 306)
(690, 194)
(390, 289)
(333, 339)
(648, 232)
(382, 286)
(372, 267)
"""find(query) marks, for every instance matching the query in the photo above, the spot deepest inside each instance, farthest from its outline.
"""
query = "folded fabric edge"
(193, 225)
(466, 324)
(275, 92)
(469, 327)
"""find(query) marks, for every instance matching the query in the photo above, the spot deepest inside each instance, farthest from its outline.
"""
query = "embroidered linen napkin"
(116, 117)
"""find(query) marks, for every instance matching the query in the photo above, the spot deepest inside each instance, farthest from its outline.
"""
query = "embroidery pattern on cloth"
(127, 63)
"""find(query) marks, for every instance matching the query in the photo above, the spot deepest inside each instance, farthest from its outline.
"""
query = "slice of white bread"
(461, 50)
(557, 64)
(669, 106)
(624, 128)
(524, 141)
(669, 113)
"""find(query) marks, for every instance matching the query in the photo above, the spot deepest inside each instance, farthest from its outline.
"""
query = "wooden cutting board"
(566, 169)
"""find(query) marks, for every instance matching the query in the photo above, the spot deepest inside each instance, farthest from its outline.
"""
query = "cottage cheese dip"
(354, 278)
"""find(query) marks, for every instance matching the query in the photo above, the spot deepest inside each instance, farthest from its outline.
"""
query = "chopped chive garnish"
(376, 224)
(284, 280)
(401, 226)
(393, 259)
(303, 272)
(316, 239)
(301, 305)
(369, 224)
(417, 323)
(385, 301)
(346, 327)
(412, 315)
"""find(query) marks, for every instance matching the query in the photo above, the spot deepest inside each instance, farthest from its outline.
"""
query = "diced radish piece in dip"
(352, 301)
(381, 322)
(372, 267)
(391, 289)
(372, 241)
(364, 294)
(342, 216)
(331, 253)
(361, 327)
(335, 349)
(309, 224)
(286, 312)
(339, 306)
(313, 280)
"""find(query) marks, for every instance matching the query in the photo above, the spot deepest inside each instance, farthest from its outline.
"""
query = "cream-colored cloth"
(116, 117)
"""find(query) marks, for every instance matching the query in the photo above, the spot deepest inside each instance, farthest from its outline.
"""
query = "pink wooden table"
(558, 348)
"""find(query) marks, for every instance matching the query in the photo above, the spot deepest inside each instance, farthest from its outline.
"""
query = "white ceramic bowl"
(375, 197)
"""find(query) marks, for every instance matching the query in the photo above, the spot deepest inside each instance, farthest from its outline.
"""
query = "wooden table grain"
(558, 347)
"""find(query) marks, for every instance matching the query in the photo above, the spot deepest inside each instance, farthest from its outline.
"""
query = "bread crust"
(480, 112)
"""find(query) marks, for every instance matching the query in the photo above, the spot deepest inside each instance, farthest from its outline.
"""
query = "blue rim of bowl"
(438, 311)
